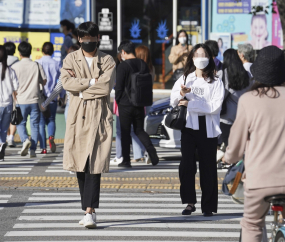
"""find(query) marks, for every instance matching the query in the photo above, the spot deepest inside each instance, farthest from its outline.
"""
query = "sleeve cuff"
(92, 82)
(81, 95)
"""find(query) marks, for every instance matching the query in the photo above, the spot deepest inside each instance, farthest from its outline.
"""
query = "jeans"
(50, 122)
(130, 115)
(34, 112)
(138, 148)
(66, 110)
(5, 119)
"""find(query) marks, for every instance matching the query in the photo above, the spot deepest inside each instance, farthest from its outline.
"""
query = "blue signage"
(162, 32)
(135, 32)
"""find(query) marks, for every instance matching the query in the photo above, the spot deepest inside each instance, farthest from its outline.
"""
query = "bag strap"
(14, 99)
(40, 76)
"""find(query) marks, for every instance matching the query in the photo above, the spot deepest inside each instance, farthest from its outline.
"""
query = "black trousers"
(207, 150)
(224, 137)
(132, 115)
(89, 187)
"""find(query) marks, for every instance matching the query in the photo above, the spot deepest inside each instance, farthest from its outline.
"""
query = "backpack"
(141, 88)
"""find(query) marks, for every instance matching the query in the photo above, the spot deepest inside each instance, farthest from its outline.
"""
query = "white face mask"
(74, 41)
(182, 40)
(201, 62)
(60, 29)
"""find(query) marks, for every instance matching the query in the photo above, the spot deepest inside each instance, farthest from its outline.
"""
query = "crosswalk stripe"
(14, 173)
(8, 196)
(123, 233)
(120, 210)
(103, 241)
(127, 205)
(14, 169)
(15, 165)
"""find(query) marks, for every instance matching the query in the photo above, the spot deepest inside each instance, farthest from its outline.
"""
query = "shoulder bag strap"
(11, 83)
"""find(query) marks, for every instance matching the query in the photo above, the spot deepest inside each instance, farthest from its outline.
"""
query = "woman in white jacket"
(204, 93)
(8, 86)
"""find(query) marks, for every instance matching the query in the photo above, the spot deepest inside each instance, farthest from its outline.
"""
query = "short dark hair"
(213, 45)
(25, 49)
(48, 48)
(128, 46)
(10, 48)
(66, 23)
(87, 29)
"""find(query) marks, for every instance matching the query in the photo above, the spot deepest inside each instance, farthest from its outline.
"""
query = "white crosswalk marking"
(135, 216)
(3, 200)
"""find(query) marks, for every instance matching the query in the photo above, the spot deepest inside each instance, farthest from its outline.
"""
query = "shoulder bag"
(176, 119)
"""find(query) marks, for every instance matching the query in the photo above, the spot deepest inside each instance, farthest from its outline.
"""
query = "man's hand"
(71, 73)
(183, 103)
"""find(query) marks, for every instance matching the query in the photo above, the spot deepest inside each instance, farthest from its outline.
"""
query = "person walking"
(246, 54)
(214, 47)
(30, 75)
(128, 113)
(237, 81)
(11, 49)
(204, 94)
(8, 87)
(52, 68)
(258, 132)
(89, 75)
(66, 28)
(179, 53)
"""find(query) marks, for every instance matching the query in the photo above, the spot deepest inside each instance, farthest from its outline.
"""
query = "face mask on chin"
(201, 62)
(89, 46)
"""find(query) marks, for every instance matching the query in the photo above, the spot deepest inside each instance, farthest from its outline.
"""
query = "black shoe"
(189, 211)
(153, 156)
(208, 214)
(125, 164)
(2, 151)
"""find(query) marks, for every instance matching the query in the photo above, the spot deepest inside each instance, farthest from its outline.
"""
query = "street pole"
(119, 22)
(174, 23)
(93, 11)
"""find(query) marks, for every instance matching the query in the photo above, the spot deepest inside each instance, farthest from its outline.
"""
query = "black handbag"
(16, 116)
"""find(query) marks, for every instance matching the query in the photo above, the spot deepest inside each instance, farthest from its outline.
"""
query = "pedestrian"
(129, 113)
(246, 54)
(214, 47)
(143, 52)
(66, 28)
(11, 49)
(52, 69)
(179, 53)
(204, 93)
(237, 81)
(30, 75)
(8, 87)
(89, 75)
(258, 132)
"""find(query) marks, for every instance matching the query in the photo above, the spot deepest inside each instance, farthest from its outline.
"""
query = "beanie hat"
(269, 66)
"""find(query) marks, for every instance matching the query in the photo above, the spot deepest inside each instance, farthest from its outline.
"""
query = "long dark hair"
(3, 60)
(181, 31)
(237, 76)
(209, 71)
(262, 89)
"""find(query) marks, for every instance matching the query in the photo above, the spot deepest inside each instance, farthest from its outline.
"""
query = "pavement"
(39, 201)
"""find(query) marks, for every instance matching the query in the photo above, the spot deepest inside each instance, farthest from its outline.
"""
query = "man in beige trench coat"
(88, 74)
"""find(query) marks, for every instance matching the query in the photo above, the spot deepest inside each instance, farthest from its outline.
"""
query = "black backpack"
(141, 88)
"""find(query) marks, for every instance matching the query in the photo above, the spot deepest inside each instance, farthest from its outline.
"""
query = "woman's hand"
(184, 90)
(71, 73)
(183, 102)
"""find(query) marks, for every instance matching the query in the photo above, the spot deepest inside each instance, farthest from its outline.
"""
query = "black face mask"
(89, 46)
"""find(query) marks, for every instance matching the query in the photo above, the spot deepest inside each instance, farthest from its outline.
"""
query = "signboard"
(106, 43)
(105, 20)
(233, 7)
(277, 33)
(57, 39)
(224, 43)
(43, 14)
(35, 39)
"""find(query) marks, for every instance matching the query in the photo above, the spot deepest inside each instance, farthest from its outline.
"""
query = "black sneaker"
(189, 211)
(208, 214)
(126, 164)
(153, 156)
(2, 151)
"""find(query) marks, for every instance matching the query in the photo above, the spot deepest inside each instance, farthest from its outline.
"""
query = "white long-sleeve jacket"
(205, 98)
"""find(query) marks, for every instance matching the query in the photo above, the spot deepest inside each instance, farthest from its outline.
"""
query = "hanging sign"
(105, 20)
(106, 43)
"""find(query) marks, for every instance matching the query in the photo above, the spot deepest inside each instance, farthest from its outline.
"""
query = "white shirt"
(8, 86)
(89, 61)
(205, 98)
(247, 66)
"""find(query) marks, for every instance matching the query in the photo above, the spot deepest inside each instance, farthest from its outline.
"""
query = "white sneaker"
(11, 143)
(116, 160)
(26, 146)
(147, 159)
(89, 222)
(81, 222)
(33, 154)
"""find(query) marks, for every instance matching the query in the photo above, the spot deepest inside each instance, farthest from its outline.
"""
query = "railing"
(163, 58)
